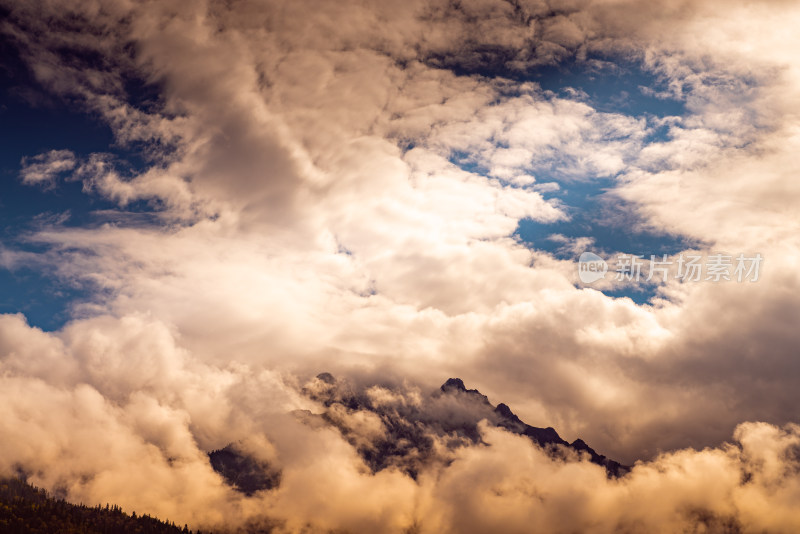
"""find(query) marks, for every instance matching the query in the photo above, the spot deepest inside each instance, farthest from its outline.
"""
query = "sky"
(204, 205)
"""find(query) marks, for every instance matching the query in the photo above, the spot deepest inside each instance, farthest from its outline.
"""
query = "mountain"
(544, 437)
(30, 510)
(243, 472)
(397, 426)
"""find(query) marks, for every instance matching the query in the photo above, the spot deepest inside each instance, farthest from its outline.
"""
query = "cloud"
(336, 186)
(44, 170)
(153, 455)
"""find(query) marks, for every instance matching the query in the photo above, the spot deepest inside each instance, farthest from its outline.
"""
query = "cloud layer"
(335, 186)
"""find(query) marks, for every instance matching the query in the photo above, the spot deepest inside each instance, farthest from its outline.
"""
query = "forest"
(30, 510)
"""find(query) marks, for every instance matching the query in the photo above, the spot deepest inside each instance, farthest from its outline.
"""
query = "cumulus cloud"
(336, 186)
(153, 454)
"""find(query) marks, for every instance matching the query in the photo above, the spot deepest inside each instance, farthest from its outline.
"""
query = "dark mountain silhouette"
(544, 437)
(415, 430)
(241, 471)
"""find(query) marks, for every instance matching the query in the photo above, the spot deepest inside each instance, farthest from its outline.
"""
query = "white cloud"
(45, 169)
(312, 219)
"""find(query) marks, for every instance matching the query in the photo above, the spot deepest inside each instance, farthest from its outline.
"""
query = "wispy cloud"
(45, 169)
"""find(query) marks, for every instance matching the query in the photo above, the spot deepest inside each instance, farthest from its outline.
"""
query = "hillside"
(25, 509)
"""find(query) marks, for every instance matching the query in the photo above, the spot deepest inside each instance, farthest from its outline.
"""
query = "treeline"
(25, 509)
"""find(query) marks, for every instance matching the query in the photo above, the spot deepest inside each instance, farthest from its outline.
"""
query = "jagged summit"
(508, 416)
(456, 385)
(417, 431)
(453, 383)
(544, 437)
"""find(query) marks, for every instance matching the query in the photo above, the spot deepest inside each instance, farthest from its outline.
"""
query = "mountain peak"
(545, 437)
(327, 378)
(454, 383)
(505, 412)
(453, 412)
